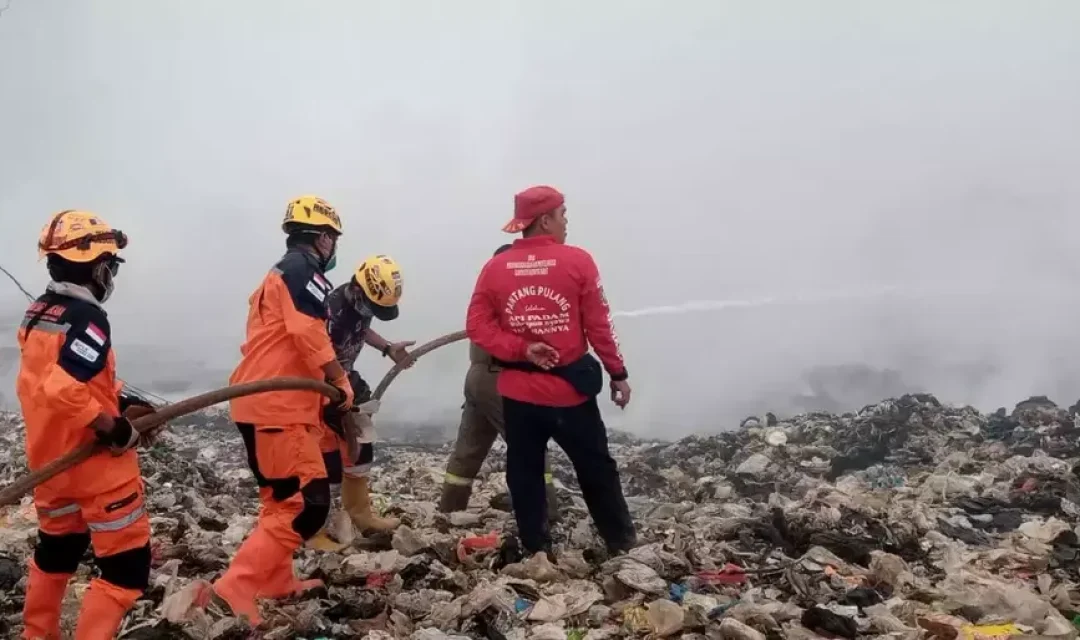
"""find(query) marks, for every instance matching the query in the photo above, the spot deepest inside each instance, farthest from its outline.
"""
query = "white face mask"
(104, 275)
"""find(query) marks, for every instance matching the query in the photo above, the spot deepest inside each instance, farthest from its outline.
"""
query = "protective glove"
(133, 407)
(128, 401)
(360, 387)
(334, 417)
(117, 433)
(345, 387)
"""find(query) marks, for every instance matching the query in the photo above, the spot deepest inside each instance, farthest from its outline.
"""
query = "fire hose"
(427, 347)
(17, 489)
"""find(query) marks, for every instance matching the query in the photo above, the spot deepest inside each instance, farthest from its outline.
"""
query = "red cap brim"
(515, 225)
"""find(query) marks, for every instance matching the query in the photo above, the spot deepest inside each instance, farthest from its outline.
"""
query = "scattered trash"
(730, 574)
(906, 519)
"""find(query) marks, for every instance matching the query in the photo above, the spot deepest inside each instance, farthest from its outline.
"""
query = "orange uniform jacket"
(66, 378)
(286, 336)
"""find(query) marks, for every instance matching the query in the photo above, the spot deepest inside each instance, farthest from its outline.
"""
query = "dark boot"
(454, 497)
(502, 502)
(622, 546)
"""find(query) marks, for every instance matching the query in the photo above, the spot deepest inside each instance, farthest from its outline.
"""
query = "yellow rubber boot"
(321, 541)
(356, 499)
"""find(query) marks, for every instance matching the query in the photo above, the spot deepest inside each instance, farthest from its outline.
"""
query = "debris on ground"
(908, 519)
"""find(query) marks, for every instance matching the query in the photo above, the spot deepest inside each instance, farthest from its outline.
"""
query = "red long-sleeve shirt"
(542, 291)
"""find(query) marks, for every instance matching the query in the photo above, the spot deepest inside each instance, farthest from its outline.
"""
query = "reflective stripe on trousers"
(65, 510)
(357, 471)
(467, 482)
(119, 523)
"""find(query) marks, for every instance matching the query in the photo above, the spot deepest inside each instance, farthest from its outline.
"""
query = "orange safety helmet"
(80, 236)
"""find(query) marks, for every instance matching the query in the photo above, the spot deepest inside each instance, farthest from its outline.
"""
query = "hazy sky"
(708, 151)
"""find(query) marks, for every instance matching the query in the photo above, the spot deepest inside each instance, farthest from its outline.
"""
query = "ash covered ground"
(907, 519)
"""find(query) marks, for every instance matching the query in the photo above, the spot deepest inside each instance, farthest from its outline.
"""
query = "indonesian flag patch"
(95, 334)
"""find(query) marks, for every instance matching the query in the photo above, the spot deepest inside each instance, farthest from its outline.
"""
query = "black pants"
(580, 432)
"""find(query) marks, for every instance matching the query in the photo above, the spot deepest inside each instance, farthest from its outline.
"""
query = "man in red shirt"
(536, 309)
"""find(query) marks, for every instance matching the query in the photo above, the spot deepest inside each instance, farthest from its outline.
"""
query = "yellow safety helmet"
(379, 277)
(311, 211)
(80, 236)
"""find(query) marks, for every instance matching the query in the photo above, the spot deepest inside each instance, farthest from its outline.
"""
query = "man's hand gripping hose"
(151, 422)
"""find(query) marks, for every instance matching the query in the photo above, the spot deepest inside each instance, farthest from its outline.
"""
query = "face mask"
(103, 278)
(360, 302)
(331, 262)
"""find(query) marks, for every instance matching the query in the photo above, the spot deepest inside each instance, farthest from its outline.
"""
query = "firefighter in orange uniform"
(286, 336)
(67, 387)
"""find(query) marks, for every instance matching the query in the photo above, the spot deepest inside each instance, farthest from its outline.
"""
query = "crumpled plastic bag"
(731, 629)
(485, 595)
(577, 600)
(665, 617)
(756, 465)
(1044, 530)
(367, 563)
(180, 606)
(428, 633)
(637, 576)
(408, 542)
(887, 569)
(883, 622)
(1021, 606)
(471, 544)
(548, 631)
(537, 568)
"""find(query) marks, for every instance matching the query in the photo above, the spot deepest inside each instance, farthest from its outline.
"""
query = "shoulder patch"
(84, 351)
(307, 287)
(314, 289)
(95, 333)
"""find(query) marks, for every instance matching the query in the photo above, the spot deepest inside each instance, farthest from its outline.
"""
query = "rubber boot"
(455, 497)
(259, 557)
(103, 609)
(356, 499)
(282, 582)
(41, 609)
(503, 502)
(321, 541)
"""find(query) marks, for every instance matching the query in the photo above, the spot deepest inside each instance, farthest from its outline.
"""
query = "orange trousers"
(117, 527)
(295, 501)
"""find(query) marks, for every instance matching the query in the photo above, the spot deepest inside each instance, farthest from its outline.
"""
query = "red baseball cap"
(532, 203)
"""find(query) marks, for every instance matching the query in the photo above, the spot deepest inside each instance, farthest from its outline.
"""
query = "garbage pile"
(907, 519)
